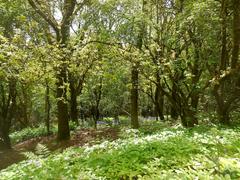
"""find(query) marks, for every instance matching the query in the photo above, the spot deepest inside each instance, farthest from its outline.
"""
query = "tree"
(135, 71)
(8, 74)
(62, 36)
(227, 81)
(9, 61)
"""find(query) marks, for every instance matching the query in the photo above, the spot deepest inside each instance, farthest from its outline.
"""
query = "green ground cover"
(164, 153)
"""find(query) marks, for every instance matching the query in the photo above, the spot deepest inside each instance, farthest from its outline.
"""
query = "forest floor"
(79, 138)
(157, 150)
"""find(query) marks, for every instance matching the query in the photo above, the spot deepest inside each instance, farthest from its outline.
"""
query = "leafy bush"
(124, 120)
(28, 133)
(130, 162)
(72, 125)
(33, 132)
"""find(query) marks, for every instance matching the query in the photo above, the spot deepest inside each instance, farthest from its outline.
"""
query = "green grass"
(163, 153)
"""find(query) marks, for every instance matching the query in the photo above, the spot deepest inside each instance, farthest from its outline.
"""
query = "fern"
(42, 150)
(30, 155)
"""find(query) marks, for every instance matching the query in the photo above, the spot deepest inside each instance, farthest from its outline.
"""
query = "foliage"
(169, 153)
(33, 132)
(88, 60)
(30, 132)
(41, 151)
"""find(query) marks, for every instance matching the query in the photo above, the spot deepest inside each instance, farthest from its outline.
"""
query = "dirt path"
(79, 138)
(10, 157)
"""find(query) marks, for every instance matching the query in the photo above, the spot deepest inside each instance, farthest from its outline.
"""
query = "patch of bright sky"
(102, 1)
(57, 14)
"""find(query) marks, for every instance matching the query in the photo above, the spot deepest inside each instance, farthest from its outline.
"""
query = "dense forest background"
(119, 89)
(85, 60)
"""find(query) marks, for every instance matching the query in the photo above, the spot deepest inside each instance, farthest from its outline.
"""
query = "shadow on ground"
(79, 138)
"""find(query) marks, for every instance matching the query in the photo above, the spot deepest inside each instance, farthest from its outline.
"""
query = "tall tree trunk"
(98, 96)
(47, 107)
(25, 106)
(159, 102)
(236, 33)
(224, 52)
(62, 107)
(174, 109)
(219, 90)
(134, 98)
(73, 103)
(63, 38)
(7, 113)
(195, 79)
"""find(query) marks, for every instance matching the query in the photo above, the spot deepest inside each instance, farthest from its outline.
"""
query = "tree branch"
(46, 16)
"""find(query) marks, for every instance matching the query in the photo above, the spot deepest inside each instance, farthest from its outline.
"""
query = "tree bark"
(224, 116)
(7, 112)
(98, 97)
(174, 109)
(62, 107)
(134, 98)
(236, 33)
(221, 90)
(73, 103)
(159, 102)
(224, 52)
(188, 118)
(47, 108)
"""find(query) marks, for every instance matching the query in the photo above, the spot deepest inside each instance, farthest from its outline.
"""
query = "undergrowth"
(164, 153)
(33, 132)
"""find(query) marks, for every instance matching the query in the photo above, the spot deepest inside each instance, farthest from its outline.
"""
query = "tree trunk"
(174, 112)
(222, 90)
(24, 107)
(7, 113)
(222, 106)
(188, 118)
(224, 51)
(134, 98)
(159, 102)
(195, 100)
(73, 103)
(236, 33)
(62, 107)
(5, 143)
(96, 116)
(224, 116)
(47, 108)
